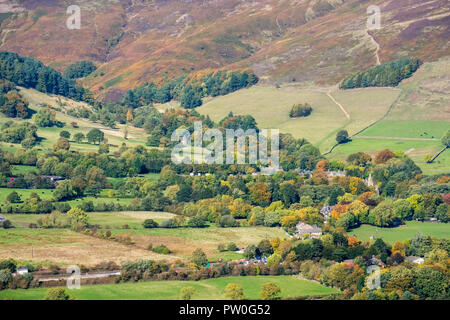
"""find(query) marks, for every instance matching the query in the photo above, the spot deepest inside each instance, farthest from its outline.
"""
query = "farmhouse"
(302, 229)
(22, 270)
(415, 260)
(2, 218)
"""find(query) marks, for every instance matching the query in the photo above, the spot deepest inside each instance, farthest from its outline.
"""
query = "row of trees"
(189, 90)
(384, 75)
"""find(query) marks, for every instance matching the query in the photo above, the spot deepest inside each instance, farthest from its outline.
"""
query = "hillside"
(305, 40)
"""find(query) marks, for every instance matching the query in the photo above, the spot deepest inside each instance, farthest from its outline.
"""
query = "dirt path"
(377, 46)
(339, 105)
(5, 33)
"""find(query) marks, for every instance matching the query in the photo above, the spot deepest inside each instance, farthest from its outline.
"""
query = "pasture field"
(183, 241)
(20, 169)
(50, 135)
(44, 194)
(211, 289)
(426, 95)
(47, 194)
(107, 220)
(403, 232)
(63, 246)
(415, 149)
(408, 129)
(270, 107)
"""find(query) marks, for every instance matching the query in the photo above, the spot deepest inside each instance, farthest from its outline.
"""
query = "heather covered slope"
(305, 40)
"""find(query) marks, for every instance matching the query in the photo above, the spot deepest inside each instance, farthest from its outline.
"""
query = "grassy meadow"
(403, 232)
(211, 289)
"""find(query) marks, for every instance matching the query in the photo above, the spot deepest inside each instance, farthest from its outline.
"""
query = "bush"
(227, 221)
(13, 197)
(162, 249)
(187, 293)
(56, 294)
(270, 291)
(150, 223)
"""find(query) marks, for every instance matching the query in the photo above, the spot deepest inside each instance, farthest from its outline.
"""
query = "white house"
(22, 270)
(303, 229)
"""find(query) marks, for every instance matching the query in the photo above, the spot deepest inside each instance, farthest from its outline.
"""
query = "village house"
(22, 270)
(415, 260)
(302, 229)
(326, 212)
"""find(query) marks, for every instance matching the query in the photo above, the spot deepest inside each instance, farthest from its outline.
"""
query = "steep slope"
(134, 41)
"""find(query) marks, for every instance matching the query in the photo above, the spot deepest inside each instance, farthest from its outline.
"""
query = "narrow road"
(339, 105)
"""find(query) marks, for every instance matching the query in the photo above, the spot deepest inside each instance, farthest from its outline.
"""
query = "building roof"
(303, 228)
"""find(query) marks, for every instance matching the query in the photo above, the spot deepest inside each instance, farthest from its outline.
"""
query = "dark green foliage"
(95, 135)
(342, 136)
(385, 75)
(300, 110)
(12, 104)
(149, 223)
(19, 133)
(79, 69)
(29, 73)
(190, 90)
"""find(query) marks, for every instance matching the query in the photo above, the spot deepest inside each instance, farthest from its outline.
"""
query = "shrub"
(162, 249)
(150, 223)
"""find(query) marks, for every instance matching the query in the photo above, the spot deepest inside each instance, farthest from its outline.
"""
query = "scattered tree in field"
(342, 136)
(13, 197)
(187, 293)
(46, 118)
(446, 139)
(13, 105)
(103, 148)
(95, 135)
(79, 137)
(6, 224)
(383, 156)
(65, 134)
(78, 216)
(56, 294)
(234, 291)
(300, 110)
(270, 291)
(61, 144)
(199, 257)
(150, 223)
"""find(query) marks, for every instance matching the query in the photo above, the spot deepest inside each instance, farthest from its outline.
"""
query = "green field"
(44, 194)
(408, 129)
(404, 232)
(270, 107)
(211, 289)
(113, 220)
(415, 149)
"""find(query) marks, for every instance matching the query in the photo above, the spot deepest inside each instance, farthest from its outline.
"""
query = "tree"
(56, 294)
(383, 156)
(446, 139)
(78, 217)
(251, 252)
(13, 105)
(45, 118)
(95, 135)
(187, 293)
(342, 136)
(199, 257)
(78, 137)
(103, 148)
(61, 144)
(430, 283)
(149, 223)
(13, 197)
(65, 134)
(234, 291)
(79, 69)
(270, 291)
